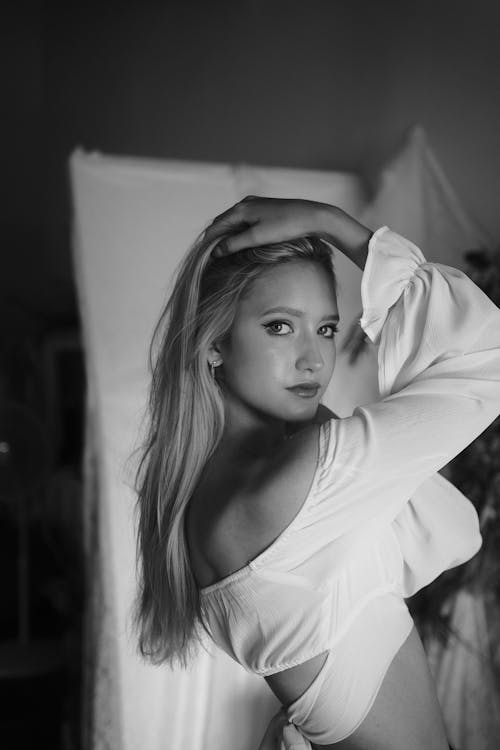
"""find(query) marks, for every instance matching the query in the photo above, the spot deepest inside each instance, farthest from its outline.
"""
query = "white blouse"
(378, 520)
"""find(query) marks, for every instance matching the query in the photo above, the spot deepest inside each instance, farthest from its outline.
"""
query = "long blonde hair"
(185, 425)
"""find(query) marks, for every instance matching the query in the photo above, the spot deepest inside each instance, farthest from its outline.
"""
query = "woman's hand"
(263, 221)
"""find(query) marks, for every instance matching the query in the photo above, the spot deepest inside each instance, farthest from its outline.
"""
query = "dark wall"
(328, 84)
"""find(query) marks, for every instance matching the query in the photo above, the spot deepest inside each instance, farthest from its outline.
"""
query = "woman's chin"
(297, 422)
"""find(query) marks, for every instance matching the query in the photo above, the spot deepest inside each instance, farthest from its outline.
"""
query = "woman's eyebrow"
(298, 313)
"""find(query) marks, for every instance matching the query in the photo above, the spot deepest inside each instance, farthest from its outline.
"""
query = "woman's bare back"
(240, 507)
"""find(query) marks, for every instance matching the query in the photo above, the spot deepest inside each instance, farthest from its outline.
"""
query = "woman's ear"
(214, 353)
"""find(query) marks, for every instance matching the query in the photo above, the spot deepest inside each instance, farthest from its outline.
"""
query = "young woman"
(290, 536)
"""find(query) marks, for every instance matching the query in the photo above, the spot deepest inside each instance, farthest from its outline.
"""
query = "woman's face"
(269, 352)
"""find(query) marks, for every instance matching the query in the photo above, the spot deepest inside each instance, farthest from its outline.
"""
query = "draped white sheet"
(416, 199)
(133, 221)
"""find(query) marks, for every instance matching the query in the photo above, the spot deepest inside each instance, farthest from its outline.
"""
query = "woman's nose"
(310, 358)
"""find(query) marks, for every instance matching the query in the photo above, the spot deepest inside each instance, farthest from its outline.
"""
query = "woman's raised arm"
(256, 221)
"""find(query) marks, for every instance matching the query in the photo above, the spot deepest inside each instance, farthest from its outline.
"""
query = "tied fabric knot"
(292, 739)
(281, 735)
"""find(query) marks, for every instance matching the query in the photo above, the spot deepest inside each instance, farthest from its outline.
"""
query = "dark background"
(328, 84)
(324, 84)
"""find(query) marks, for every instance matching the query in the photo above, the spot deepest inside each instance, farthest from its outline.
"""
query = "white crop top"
(378, 517)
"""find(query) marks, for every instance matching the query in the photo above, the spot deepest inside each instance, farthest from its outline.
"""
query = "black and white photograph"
(250, 375)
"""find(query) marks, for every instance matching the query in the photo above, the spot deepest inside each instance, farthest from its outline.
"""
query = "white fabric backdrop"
(133, 221)
(416, 199)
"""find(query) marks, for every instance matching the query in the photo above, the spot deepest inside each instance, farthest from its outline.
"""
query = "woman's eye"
(272, 327)
(269, 326)
(334, 329)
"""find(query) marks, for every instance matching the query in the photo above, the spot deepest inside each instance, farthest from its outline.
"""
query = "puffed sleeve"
(438, 339)
(437, 529)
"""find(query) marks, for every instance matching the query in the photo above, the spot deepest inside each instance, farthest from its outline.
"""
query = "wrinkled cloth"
(280, 735)
(293, 739)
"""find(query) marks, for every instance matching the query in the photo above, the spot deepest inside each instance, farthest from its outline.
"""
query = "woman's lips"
(304, 391)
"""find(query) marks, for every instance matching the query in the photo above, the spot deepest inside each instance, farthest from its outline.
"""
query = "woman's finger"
(230, 245)
(256, 235)
(248, 238)
(259, 234)
(230, 219)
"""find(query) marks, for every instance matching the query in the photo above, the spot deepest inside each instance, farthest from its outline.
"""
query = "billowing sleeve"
(437, 529)
(438, 339)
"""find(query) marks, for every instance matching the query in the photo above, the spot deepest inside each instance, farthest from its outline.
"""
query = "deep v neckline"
(262, 557)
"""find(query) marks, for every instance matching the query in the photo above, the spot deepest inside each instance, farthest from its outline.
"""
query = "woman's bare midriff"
(290, 684)
(405, 715)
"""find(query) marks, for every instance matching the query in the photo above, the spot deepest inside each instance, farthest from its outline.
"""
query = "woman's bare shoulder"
(231, 525)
